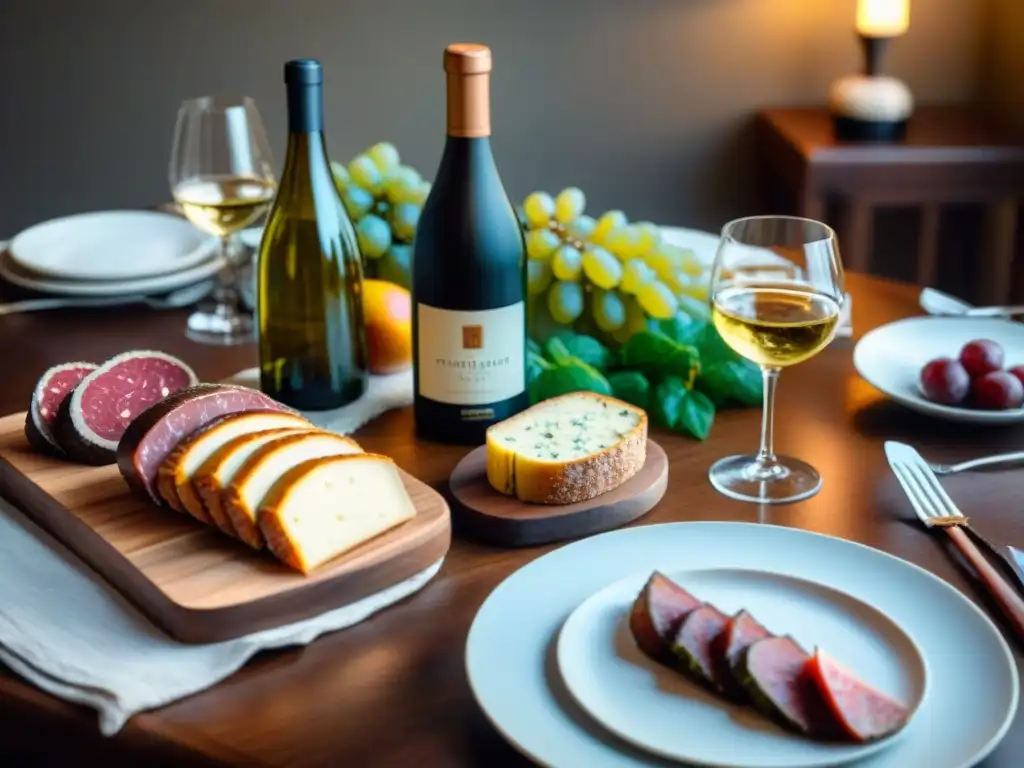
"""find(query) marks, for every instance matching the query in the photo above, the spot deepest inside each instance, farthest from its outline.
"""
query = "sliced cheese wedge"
(245, 493)
(220, 469)
(325, 507)
(174, 477)
(567, 449)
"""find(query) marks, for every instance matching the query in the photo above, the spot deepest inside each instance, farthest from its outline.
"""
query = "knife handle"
(1007, 598)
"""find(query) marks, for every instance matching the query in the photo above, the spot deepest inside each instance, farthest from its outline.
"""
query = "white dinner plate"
(511, 651)
(110, 245)
(891, 357)
(11, 271)
(655, 708)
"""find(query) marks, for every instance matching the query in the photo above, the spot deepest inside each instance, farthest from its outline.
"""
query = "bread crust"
(566, 482)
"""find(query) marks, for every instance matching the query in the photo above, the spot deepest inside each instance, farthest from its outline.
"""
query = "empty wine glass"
(776, 294)
(221, 174)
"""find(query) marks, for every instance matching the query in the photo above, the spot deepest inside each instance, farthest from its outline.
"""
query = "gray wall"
(642, 103)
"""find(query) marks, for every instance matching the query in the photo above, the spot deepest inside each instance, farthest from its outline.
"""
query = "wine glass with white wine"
(222, 176)
(776, 294)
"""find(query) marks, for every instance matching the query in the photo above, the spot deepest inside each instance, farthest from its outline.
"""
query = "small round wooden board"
(480, 512)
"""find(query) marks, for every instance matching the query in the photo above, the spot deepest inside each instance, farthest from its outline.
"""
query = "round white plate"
(891, 357)
(14, 273)
(110, 245)
(511, 662)
(655, 708)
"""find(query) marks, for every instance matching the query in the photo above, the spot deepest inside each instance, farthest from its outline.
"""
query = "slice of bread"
(325, 507)
(174, 477)
(567, 449)
(245, 493)
(220, 469)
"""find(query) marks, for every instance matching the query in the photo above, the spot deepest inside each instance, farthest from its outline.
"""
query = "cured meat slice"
(741, 632)
(174, 478)
(243, 497)
(213, 477)
(692, 644)
(657, 612)
(99, 409)
(51, 390)
(773, 671)
(863, 713)
(158, 430)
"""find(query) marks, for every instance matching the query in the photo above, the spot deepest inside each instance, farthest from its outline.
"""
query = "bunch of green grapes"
(606, 275)
(384, 199)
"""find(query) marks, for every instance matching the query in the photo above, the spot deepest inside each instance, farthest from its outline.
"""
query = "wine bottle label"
(471, 358)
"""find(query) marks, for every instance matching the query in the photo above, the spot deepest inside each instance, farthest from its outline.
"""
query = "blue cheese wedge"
(567, 449)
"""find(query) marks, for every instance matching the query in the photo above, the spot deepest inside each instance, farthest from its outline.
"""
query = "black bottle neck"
(305, 108)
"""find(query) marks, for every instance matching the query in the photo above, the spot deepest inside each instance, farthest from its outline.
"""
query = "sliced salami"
(157, 431)
(692, 645)
(51, 390)
(92, 419)
(657, 612)
(774, 672)
(742, 631)
(863, 713)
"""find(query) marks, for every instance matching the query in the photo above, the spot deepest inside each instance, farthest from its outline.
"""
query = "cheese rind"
(174, 477)
(244, 495)
(219, 470)
(567, 449)
(325, 507)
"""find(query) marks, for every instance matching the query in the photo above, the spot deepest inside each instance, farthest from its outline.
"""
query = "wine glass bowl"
(776, 295)
(221, 175)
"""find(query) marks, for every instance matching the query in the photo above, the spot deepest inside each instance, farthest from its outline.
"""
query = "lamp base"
(855, 129)
(870, 108)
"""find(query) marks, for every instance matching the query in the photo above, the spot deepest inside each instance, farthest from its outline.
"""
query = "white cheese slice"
(326, 507)
(245, 493)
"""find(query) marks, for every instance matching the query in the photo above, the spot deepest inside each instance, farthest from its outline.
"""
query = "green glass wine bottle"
(469, 274)
(312, 341)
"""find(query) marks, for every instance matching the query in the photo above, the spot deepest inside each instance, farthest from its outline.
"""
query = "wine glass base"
(220, 326)
(742, 478)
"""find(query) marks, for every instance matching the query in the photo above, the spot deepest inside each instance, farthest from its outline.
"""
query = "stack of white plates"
(110, 253)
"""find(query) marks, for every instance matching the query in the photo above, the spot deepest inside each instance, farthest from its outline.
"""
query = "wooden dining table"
(392, 691)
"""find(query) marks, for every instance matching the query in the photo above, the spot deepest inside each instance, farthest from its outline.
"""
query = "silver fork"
(935, 508)
(984, 461)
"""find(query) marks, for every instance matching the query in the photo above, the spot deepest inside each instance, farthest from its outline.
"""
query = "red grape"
(945, 381)
(981, 356)
(997, 391)
(1018, 371)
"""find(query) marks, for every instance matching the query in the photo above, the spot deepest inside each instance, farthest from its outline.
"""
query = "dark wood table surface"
(392, 691)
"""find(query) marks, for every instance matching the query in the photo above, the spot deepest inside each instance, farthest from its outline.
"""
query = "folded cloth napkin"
(65, 630)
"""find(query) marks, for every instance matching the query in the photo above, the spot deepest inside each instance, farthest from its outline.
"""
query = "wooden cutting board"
(196, 583)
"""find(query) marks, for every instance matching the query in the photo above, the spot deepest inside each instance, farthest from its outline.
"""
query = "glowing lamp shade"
(883, 18)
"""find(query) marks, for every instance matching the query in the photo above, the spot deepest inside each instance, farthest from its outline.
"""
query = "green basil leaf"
(697, 414)
(576, 376)
(656, 356)
(732, 381)
(667, 403)
(586, 348)
(631, 386)
(681, 328)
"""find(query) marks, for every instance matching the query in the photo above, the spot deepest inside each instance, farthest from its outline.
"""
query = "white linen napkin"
(65, 630)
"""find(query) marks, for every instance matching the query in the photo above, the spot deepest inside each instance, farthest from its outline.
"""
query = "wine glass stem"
(226, 291)
(766, 456)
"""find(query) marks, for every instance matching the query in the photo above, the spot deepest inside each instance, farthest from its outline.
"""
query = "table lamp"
(872, 106)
